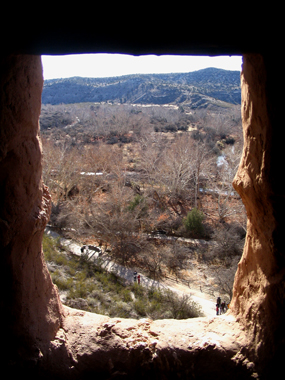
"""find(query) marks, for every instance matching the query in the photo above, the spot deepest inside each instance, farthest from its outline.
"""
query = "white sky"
(108, 65)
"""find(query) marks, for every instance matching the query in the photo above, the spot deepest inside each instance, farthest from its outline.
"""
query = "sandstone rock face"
(105, 348)
(48, 340)
(29, 303)
(258, 299)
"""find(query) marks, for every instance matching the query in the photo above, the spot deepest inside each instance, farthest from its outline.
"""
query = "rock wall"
(258, 295)
(30, 309)
(96, 346)
(46, 339)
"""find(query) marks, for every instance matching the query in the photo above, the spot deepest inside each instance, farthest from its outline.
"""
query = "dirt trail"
(206, 301)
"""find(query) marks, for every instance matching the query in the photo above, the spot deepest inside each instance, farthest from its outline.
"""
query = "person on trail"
(139, 278)
(135, 276)
(218, 305)
(223, 305)
(219, 301)
(217, 309)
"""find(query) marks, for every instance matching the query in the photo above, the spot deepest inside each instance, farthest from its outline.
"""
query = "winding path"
(206, 302)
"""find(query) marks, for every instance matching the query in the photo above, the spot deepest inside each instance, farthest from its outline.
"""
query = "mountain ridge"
(196, 89)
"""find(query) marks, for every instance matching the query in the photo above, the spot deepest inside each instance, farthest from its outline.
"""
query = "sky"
(109, 65)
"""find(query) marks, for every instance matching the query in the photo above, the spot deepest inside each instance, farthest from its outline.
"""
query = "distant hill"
(196, 89)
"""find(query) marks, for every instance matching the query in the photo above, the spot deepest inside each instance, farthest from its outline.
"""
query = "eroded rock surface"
(258, 295)
(45, 339)
(30, 307)
(123, 348)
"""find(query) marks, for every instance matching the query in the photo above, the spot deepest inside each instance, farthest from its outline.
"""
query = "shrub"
(79, 290)
(154, 310)
(182, 127)
(135, 202)
(61, 282)
(51, 253)
(120, 310)
(181, 307)
(154, 294)
(137, 290)
(93, 289)
(170, 128)
(126, 294)
(194, 223)
(230, 140)
(228, 243)
(140, 307)
(196, 135)
(112, 140)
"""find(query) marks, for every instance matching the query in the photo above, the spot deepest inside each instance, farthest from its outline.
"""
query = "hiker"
(223, 305)
(135, 276)
(139, 278)
(219, 301)
(218, 305)
(217, 309)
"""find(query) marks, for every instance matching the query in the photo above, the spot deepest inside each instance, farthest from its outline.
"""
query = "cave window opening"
(144, 151)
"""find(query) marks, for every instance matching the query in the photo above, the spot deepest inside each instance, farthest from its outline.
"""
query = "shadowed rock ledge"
(89, 344)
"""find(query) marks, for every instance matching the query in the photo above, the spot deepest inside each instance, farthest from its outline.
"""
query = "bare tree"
(177, 169)
(224, 277)
(176, 259)
(151, 260)
(61, 168)
(227, 200)
(113, 221)
(185, 162)
(202, 162)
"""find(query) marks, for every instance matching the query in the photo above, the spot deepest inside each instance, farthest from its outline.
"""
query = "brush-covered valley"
(147, 187)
